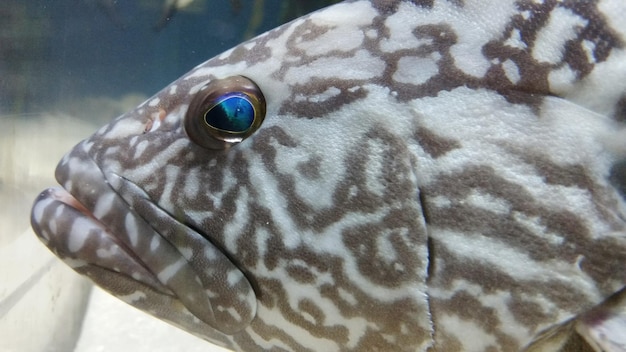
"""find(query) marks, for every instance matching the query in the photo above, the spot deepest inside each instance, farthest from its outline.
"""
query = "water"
(67, 67)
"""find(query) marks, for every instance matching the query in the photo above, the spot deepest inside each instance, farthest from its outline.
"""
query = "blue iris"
(233, 114)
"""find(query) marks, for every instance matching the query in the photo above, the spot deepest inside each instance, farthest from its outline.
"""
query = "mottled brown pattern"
(393, 185)
(350, 91)
(467, 306)
(530, 89)
(505, 228)
(433, 144)
(597, 31)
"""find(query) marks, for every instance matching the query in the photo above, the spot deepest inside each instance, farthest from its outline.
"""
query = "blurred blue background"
(53, 51)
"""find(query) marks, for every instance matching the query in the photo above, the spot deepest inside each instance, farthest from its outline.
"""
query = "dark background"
(64, 50)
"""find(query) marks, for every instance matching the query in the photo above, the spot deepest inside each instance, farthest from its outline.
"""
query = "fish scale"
(416, 175)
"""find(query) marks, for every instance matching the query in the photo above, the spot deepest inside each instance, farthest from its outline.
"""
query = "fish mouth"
(106, 227)
(74, 234)
(72, 222)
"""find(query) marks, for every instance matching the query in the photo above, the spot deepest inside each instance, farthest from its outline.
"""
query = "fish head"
(360, 178)
(197, 229)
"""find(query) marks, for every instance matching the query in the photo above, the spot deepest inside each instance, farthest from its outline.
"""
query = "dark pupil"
(235, 114)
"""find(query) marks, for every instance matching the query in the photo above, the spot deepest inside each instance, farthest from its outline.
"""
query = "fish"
(381, 175)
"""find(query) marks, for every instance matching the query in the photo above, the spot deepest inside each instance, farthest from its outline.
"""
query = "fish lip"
(76, 236)
(76, 203)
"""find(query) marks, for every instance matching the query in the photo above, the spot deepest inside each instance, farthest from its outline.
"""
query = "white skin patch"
(57, 215)
(233, 313)
(154, 102)
(355, 15)
(210, 253)
(133, 141)
(375, 168)
(104, 205)
(515, 40)
(106, 252)
(400, 26)
(435, 131)
(602, 86)
(86, 145)
(133, 297)
(141, 147)
(441, 202)
(235, 226)
(512, 261)
(144, 171)
(39, 208)
(605, 327)
(551, 39)
(562, 78)
(173, 116)
(130, 225)
(342, 38)
(497, 300)
(77, 235)
(511, 71)
(102, 130)
(234, 277)
(166, 274)
(407, 71)
(535, 226)
(589, 47)
(155, 243)
(192, 184)
(319, 98)
(366, 66)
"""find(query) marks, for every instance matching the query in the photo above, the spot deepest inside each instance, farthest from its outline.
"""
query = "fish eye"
(224, 112)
